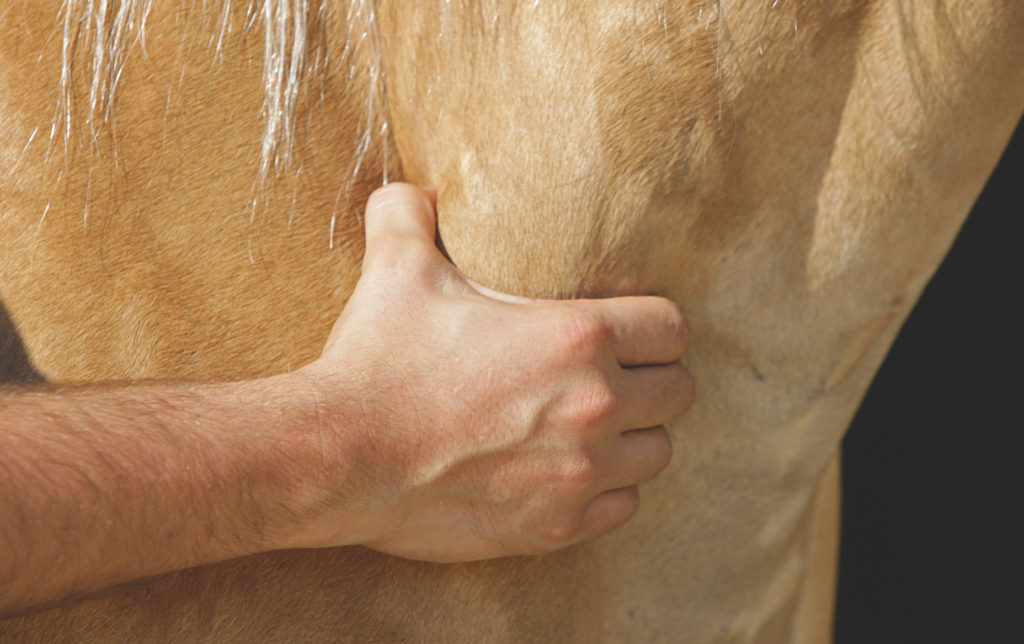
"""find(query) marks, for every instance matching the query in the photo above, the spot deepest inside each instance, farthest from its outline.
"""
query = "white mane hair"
(108, 31)
(103, 33)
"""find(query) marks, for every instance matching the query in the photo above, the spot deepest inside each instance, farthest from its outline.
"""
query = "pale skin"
(443, 422)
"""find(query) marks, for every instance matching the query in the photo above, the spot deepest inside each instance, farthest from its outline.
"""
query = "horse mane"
(103, 34)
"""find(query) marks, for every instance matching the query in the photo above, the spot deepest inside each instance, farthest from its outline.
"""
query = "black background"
(931, 481)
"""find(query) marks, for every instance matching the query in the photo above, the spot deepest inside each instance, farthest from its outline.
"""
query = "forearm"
(102, 486)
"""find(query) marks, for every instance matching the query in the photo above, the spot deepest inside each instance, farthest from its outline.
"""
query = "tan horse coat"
(789, 173)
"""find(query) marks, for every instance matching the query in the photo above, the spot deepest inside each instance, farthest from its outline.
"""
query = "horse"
(181, 195)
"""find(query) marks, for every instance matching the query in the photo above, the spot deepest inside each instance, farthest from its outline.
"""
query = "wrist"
(317, 460)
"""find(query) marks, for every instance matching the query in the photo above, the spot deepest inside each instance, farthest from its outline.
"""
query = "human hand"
(483, 424)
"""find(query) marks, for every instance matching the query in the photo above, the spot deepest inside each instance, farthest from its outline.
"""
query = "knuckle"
(578, 470)
(597, 403)
(583, 334)
(559, 532)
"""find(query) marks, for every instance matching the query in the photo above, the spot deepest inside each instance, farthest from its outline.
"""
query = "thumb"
(498, 295)
(400, 225)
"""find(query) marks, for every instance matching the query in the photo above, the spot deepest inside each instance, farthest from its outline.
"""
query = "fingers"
(607, 511)
(640, 456)
(400, 225)
(656, 395)
(646, 330)
(635, 457)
